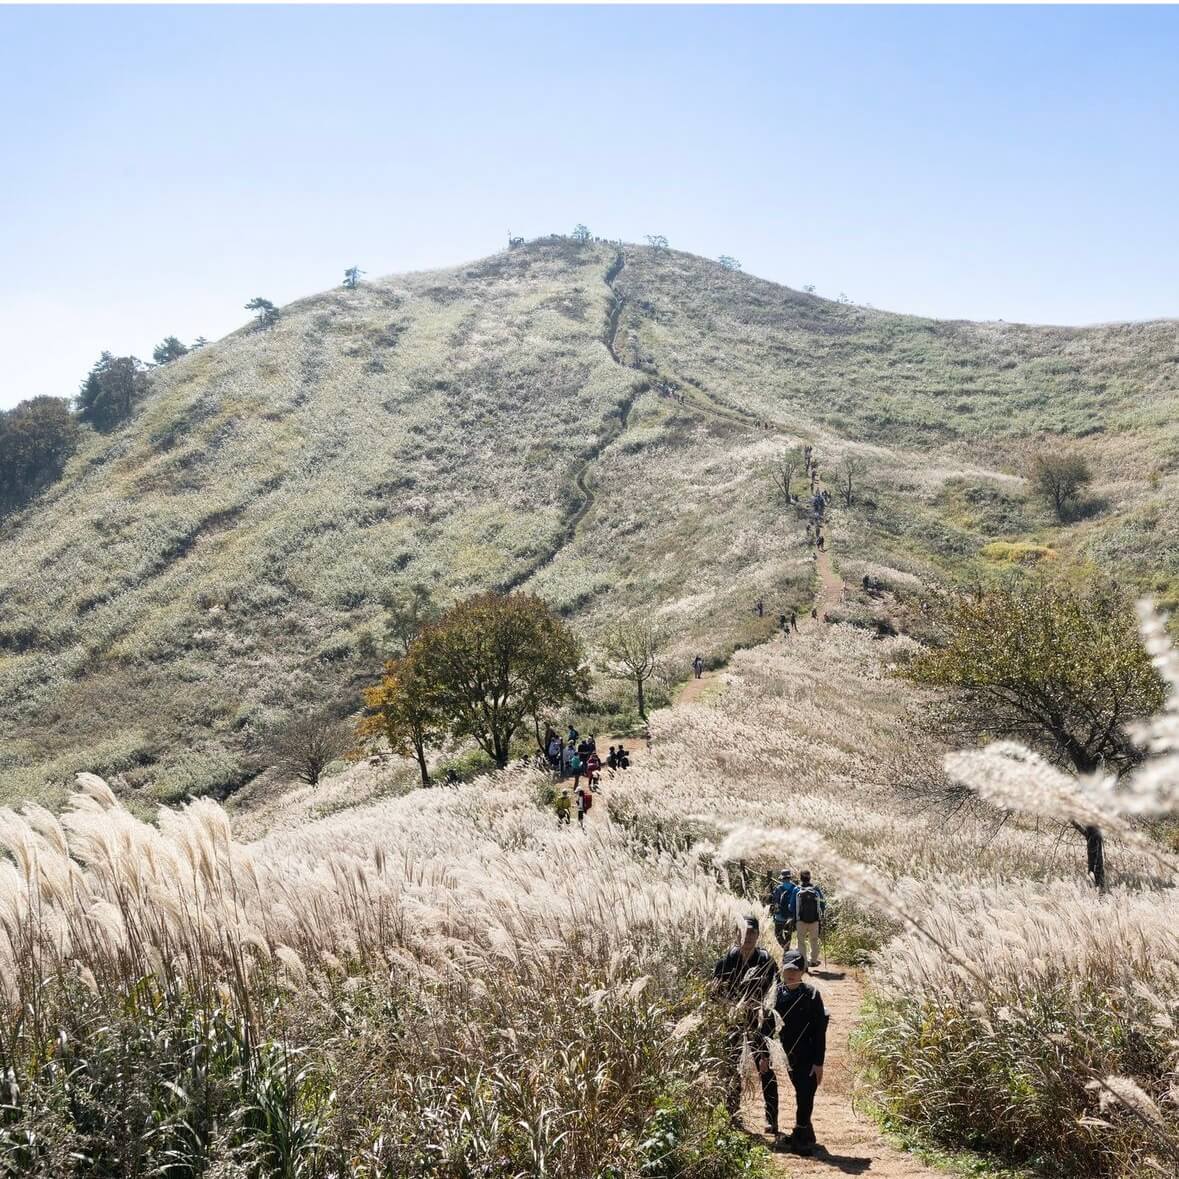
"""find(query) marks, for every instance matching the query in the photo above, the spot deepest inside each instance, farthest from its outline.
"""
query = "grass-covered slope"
(220, 557)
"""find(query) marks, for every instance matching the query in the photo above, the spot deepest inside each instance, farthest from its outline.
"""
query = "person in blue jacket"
(782, 907)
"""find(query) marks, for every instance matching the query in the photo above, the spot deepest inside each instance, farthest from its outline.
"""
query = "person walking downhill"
(743, 977)
(799, 1020)
(581, 794)
(697, 667)
(808, 917)
(593, 771)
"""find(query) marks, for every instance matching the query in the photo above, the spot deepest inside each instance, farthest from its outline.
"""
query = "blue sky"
(160, 166)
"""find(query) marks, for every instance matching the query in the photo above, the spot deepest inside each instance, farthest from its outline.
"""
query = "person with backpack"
(808, 917)
(576, 765)
(564, 805)
(782, 907)
(798, 1018)
(612, 759)
(583, 804)
(567, 756)
(743, 977)
(554, 752)
(697, 667)
(622, 758)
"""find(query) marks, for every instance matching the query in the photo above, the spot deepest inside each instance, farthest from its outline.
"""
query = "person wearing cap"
(808, 904)
(799, 1020)
(744, 976)
(782, 907)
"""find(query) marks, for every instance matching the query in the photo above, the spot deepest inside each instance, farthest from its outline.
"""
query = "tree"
(633, 650)
(494, 660)
(352, 277)
(170, 348)
(843, 298)
(306, 745)
(36, 438)
(267, 312)
(401, 711)
(199, 342)
(1061, 669)
(1059, 477)
(407, 610)
(848, 473)
(657, 242)
(809, 288)
(729, 262)
(110, 390)
(581, 234)
(782, 476)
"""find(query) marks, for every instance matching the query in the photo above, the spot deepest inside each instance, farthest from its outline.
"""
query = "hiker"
(623, 758)
(799, 1020)
(567, 756)
(593, 771)
(808, 917)
(744, 976)
(760, 608)
(564, 805)
(698, 667)
(593, 743)
(554, 752)
(572, 735)
(822, 543)
(576, 767)
(815, 612)
(794, 621)
(782, 621)
(782, 907)
(612, 758)
(867, 582)
(583, 804)
(583, 748)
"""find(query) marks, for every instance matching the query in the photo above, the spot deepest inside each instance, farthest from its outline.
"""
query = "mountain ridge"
(529, 420)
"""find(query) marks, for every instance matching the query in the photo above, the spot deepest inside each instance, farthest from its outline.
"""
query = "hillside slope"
(220, 558)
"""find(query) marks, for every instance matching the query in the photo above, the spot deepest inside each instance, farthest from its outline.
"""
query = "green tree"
(199, 342)
(657, 242)
(1063, 670)
(36, 438)
(170, 348)
(494, 660)
(1060, 477)
(266, 311)
(729, 262)
(581, 233)
(352, 277)
(633, 649)
(401, 709)
(110, 390)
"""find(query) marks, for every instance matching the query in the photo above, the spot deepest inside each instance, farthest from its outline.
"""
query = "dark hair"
(751, 922)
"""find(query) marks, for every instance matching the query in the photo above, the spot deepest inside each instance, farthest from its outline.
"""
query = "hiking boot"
(802, 1141)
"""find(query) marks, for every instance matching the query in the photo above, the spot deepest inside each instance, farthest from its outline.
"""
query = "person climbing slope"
(782, 907)
(799, 1020)
(744, 976)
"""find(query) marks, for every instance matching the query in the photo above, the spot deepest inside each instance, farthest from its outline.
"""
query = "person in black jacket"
(744, 976)
(799, 1020)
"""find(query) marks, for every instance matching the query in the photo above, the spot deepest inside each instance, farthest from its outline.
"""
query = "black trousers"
(735, 1043)
(805, 1087)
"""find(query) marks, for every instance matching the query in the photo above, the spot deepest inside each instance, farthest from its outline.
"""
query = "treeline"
(39, 435)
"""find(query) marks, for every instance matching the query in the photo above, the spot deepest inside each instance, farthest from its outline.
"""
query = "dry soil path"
(849, 1142)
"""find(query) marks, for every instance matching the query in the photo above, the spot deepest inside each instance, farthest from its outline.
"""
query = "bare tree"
(1060, 477)
(848, 473)
(306, 745)
(782, 476)
(633, 650)
(657, 242)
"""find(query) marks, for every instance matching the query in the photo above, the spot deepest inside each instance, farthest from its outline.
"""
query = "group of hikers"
(574, 758)
(773, 1002)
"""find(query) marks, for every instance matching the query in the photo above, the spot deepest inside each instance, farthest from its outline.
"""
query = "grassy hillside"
(218, 559)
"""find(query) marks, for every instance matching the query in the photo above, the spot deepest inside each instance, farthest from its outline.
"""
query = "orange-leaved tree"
(401, 710)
